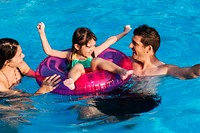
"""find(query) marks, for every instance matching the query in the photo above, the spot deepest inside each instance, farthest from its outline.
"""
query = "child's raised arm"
(111, 40)
(46, 46)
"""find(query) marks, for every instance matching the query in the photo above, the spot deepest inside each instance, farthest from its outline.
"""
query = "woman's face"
(17, 59)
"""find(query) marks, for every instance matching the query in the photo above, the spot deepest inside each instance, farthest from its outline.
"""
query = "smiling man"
(145, 43)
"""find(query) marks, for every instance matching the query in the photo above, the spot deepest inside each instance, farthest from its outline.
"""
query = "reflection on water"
(146, 85)
(120, 105)
(87, 112)
(14, 110)
(105, 110)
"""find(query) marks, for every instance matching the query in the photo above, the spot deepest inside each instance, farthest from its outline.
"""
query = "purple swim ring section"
(97, 82)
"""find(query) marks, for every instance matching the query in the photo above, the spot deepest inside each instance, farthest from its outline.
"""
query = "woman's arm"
(26, 70)
(48, 85)
(111, 40)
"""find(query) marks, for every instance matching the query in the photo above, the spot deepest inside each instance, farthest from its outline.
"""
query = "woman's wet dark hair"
(8, 49)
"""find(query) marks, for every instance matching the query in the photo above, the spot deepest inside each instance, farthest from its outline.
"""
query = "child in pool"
(84, 52)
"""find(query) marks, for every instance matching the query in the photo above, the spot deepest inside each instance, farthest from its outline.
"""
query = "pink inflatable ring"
(96, 82)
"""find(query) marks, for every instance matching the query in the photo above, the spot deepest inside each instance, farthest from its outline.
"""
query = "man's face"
(139, 50)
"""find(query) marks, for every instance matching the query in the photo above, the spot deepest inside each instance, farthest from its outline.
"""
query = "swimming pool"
(174, 108)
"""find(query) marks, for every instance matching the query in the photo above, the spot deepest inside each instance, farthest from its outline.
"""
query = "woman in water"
(13, 68)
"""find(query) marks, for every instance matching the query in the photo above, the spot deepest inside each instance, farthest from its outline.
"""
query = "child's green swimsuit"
(86, 63)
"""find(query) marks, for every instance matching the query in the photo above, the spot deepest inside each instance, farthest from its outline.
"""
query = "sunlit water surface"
(175, 105)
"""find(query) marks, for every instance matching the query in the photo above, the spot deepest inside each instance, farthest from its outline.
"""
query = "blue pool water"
(175, 107)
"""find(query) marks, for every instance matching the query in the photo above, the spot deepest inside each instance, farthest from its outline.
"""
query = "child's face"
(88, 49)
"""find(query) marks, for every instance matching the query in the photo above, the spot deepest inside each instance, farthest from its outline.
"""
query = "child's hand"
(127, 28)
(41, 27)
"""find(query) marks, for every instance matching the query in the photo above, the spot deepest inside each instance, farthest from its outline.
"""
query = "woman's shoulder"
(3, 83)
(24, 68)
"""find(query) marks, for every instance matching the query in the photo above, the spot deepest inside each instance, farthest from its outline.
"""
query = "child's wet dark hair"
(81, 37)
